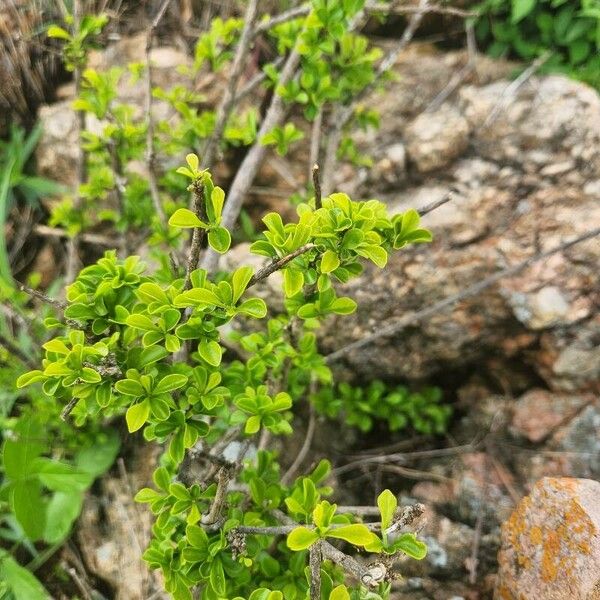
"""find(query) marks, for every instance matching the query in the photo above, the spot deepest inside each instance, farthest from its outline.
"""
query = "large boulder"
(551, 544)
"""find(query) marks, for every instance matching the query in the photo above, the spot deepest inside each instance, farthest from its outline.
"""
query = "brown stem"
(197, 235)
(229, 97)
(150, 149)
(314, 561)
(279, 264)
(317, 185)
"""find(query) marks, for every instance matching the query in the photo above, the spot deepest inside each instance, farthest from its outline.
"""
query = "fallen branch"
(472, 290)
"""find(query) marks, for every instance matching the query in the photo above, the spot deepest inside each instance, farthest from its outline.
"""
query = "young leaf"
(411, 546)
(220, 239)
(301, 538)
(185, 218)
(339, 593)
(137, 415)
(356, 534)
(329, 262)
(387, 504)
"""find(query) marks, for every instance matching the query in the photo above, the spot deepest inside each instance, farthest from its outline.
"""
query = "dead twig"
(150, 149)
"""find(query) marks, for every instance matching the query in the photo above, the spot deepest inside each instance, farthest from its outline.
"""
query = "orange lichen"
(550, 556)
(535, 535)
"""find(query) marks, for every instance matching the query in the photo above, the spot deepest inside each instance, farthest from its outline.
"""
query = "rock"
(434, 140)
(538, 413)
(551, 544)
(519, 187)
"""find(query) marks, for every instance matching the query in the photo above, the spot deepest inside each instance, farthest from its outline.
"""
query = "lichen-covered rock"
(551, 544)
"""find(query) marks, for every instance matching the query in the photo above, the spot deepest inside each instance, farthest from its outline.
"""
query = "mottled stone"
(538, 413)
(551, 544)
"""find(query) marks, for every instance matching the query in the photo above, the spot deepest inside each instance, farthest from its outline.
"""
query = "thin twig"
(370, 576)
(216, 508)
(197, 235)
(150, 149)
(41, 296)
(284, 17)
(435, 204)
(310, 432)
(252, 161)
(229, 97)
(315, 143)
(90, 238)
(317, 185)
(80, 169)
(413, 318)
(279, 264)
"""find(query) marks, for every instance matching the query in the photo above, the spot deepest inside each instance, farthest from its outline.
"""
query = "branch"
(41, 296)
(317, 185)
(197, 235)
(315, 557)
(216, 508)
(80, 170)
(150, 150)
(251, 163)
(90, 238)
(284, 17)
(310, 432)
(472, 290)
(370, 576)
(278, 264)
(229, 97)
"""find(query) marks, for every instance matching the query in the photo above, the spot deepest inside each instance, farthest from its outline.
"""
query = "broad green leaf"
(185, 219)
(193, 161)
(26, 444)
(29, 378)
(151, 355)
(239, 281)
(220, 239)
(293, 280)
(253, 307)
(137, 415)
(329, 261)
(343, 306)
(29, 508)
(60, 477)
(170, 383)
(54, 31)
(211, 352)
(141, 322)
(63, 509)
(410, 545)
(356, 534)
(521, 8)
(301, 538)
(252, 425)
(129, 387)
(22, 584)
(339, 593)
(217, 577)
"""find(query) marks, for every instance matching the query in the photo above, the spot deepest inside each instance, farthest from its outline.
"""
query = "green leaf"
(215, 205)
(97, 459)
(151, 292)
(141, 322)
(185, 219)
(28, 507)
(411, 546)
(301, 538)
(63, 510)
(239, 281)
(22, 584)
(60, 477)
(193, 161)
(521, 8)
(151, 355)
(329, 261)
(211, 352)
(170, 383)
(293, 280)
(356, 534)
(23, 447)
(130, 387)
(197, 537)
(343, 306)
(339, 593)
(137, 415)
(387, 504)
(252, 425)
(253, 307)
(54, 31)
(220, 239)
(217, 577)
(29, 378)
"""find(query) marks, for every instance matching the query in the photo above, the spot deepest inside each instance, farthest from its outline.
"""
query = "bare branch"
(317, 185)
(41, 296)
(251, 163)
(310, 432)
(472, 290)
(80, 170)
(284, 17)
(315, 557)
(370, 576)
(279, 264)
(197, 235)
(229, 97)
(150, 150)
